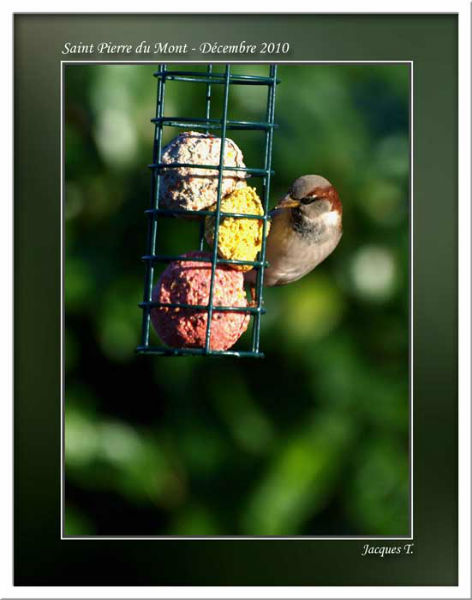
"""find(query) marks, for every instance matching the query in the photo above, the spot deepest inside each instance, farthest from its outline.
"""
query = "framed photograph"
(236, 301)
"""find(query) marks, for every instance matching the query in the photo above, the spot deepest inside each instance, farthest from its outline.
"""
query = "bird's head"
(312, 196)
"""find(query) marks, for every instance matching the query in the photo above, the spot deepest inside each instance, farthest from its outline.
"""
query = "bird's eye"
(308, 199)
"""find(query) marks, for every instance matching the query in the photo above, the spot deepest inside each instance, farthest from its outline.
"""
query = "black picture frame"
(41, 557)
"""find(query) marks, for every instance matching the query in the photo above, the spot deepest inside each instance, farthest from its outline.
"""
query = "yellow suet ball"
(238, 238)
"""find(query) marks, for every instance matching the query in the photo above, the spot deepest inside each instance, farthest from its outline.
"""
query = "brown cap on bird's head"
(304, 186)
(313, 187)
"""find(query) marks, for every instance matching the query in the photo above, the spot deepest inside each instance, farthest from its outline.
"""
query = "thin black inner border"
(66, 63)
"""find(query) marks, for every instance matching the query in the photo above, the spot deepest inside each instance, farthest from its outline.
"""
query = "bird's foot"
(253, 302)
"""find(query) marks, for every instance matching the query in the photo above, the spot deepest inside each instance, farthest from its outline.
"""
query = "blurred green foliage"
(311, 440)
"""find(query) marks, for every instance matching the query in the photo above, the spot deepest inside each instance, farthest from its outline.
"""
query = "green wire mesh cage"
(157, 214)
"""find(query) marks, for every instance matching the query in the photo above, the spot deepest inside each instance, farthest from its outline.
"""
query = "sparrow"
(306, 226)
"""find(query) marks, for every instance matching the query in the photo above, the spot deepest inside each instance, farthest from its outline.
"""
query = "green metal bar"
(195, 213)
(164, 166)
(224, 121)
(204, 307)
(208, 95)
(163, 351)
(266, 183)
(219, 261)
(208, 77)
(153, 225)
(201, 242)
(206, 124)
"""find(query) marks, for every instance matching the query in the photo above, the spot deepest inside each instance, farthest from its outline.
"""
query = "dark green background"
(37, 318)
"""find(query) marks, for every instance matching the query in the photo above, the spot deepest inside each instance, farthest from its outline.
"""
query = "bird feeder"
(221, 273)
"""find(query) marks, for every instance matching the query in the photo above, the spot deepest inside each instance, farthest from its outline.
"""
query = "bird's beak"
(289, 202)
